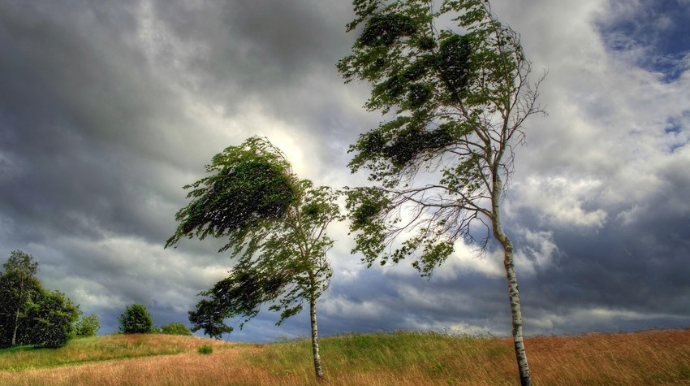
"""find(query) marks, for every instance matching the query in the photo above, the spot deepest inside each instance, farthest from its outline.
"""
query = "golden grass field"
(401, 359)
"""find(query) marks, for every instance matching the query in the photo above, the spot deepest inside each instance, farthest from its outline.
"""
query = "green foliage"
(454, 98)
(205, 349)
(88, 325)
(21, 264)
(29, 314)
(251, 186)
(18, 285)
(175, 329)
(276, 227)
(52, 320)
(136, 320)
(210, 316)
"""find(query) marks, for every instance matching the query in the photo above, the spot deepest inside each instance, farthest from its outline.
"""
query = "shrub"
(87, 326)
(51, 320)
(205, 349)
(136, 320)
(175, 329)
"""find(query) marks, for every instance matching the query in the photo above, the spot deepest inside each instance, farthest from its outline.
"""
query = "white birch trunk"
(315, 339)
(514, 295)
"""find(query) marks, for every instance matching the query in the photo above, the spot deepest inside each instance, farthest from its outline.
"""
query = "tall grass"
(405, 359)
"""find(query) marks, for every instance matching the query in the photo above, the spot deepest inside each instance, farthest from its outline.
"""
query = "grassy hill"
(401, 359)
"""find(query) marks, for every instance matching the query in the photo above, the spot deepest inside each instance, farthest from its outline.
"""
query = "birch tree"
(30, 314)
(19, 283)
(276, 226)
(454, 99)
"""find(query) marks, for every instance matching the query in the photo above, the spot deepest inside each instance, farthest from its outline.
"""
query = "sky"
(107, 109)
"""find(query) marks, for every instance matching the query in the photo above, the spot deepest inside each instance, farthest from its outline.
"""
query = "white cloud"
(355, 310)
(559, 200)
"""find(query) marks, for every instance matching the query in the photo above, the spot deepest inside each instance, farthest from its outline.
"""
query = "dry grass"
(96, 349)
(644, 358)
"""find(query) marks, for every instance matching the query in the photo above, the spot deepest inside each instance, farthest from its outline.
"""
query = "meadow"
(660, 357)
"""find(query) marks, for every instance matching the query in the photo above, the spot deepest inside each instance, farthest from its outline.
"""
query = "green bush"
(205, 349)
(136, 320)
(175, 329)
(52, 320)
(88, 325)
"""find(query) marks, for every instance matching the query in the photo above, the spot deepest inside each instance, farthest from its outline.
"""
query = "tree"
(276, 226)
(457, 98)
(30, 314)
(88, 325)
(18, 286)
(52, 320)
(175, 329)
(136, 320)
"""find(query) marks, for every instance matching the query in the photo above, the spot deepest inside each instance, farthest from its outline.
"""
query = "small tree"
(175, 329)
(19, 284)
(456, 98)
(136, 320)
(276, 225)
(88, 325)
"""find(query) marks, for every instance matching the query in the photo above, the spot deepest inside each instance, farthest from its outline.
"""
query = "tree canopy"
(87, 325)
(453, 85)
(136, 320)
(250, 187)
(456, 98)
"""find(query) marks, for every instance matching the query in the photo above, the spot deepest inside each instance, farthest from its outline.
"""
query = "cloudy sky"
(108, 108)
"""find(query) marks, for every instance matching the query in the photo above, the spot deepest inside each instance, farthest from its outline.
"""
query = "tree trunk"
(16, 327)
(315, 339)
(16, 314)
(509, 264)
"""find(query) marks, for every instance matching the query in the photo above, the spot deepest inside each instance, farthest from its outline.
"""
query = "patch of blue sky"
(653, 34)
(676, 130)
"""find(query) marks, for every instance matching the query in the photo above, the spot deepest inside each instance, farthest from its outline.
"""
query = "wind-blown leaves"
(454, 98)
(252, 184)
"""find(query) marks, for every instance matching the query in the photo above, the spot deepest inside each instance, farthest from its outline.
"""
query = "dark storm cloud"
(257, 46)
(281, 55)
(633, 269)
(81, 118)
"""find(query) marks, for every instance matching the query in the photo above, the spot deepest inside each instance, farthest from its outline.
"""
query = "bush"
(175, 329)
(52, 320)
(87, 325)
(136, 320)
(205, 349)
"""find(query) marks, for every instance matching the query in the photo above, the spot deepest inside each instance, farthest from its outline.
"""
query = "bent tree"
(276, 227)
(454, 100)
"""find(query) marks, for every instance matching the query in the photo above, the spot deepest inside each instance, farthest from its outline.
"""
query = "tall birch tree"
(454, 99)
(19, 283)
(276, 226)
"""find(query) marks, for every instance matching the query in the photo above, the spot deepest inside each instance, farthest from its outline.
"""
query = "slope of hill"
(403, 358)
